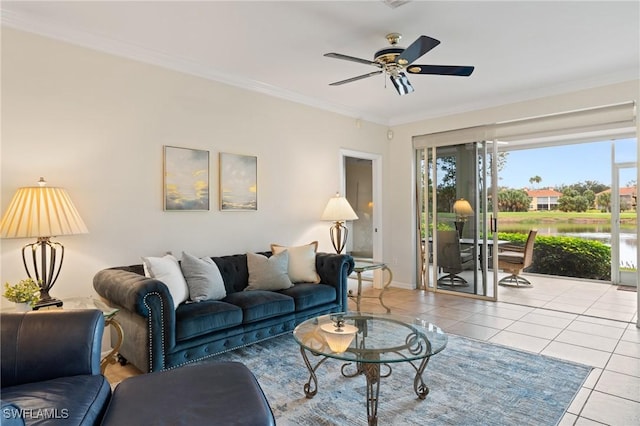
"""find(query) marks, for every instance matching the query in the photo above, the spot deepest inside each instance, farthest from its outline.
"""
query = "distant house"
(543, 199)
(627, 197)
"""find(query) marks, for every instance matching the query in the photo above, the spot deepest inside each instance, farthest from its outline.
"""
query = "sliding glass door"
(455, 218)
(624, 240)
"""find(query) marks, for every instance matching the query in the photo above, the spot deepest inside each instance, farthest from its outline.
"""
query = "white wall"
(95, 124)
(399, 222)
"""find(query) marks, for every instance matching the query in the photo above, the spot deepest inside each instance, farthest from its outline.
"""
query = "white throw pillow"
(268, 273)
(302, 262)
(167, 270)
(203, 278)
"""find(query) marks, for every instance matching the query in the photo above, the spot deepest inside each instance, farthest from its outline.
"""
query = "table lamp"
(338, 335)
(338, 210)
(42, 212)
(463, 210)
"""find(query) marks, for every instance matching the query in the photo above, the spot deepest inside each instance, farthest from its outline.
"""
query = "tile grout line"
(592, 390)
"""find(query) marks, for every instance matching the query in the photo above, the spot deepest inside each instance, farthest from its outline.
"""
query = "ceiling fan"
(394, 60)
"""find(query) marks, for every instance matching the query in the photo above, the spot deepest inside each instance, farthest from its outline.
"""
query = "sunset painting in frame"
(238, 182)
(186, 179)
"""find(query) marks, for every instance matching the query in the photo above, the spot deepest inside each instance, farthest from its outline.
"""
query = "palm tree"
(513, 200)
(535, 179)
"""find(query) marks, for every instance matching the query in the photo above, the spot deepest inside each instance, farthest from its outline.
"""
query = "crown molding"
(134, 52)
(620, 76)
(141, 54)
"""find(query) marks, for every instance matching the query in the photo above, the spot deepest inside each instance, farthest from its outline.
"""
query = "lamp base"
(47, 272)
(45, 303)
(46, 300)
(338, 233)
(459, 227)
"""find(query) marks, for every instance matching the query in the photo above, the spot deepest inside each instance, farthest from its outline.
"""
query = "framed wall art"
(186, 179)
(238, 182)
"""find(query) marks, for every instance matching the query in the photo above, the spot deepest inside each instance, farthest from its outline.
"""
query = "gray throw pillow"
(268, 273)
(203, 278)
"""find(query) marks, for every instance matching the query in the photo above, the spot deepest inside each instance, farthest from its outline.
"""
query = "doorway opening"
(359, 193)
(361, 182)
(611, 124)
(609, 218)
(583, 196)
(456, 242)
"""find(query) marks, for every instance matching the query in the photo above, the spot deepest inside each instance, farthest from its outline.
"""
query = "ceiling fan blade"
(422, 45)
(458, 70)
(352, 59)
(401, 82)
(360, 77)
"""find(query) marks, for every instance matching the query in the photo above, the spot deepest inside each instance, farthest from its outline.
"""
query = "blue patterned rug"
(470, 382)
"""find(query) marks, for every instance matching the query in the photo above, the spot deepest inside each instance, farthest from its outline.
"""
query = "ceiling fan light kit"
(401, 83)
(394, 60)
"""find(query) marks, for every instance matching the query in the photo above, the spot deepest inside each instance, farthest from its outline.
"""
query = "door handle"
(493, 224)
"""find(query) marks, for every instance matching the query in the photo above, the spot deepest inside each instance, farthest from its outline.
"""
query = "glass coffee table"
(378, 341)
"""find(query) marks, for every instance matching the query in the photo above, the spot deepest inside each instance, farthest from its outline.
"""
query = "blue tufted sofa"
(159, 336)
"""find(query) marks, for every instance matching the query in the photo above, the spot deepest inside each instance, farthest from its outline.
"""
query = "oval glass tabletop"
(377, 338)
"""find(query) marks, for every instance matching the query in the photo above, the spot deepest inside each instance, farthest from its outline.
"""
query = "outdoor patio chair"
(452, 260)
(513, 259)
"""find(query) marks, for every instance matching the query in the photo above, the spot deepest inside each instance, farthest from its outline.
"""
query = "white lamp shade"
(338, 209)
(339, 339)
(41, 212)
(462, 208)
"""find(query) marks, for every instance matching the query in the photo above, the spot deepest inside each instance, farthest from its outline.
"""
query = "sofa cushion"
(258, 304)
(167, 269)
(268, 273)
(196, 319)
(306, 295)
(302, 262)
(72, 400)
(203, 278)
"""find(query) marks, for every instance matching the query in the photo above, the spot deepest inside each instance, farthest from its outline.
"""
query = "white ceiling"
(521, 50)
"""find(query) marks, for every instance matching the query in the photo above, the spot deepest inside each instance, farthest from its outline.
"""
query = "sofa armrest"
(128, 290)
(334, 270)
(45, 345)
(143, 298)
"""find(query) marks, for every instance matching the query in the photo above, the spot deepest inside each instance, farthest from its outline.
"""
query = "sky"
(566, 165)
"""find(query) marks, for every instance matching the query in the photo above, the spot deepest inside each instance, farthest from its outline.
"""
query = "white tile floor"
(581, 321)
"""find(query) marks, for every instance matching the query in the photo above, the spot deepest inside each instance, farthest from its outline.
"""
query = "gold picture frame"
(186, 179)
(238, 182)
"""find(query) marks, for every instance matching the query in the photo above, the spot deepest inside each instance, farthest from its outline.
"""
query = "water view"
(597, 232)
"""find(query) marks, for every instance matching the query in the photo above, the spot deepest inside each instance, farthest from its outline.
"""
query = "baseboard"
(405, 286)
(352, 284)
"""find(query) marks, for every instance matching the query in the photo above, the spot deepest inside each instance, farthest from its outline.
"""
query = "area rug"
(471, 383)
